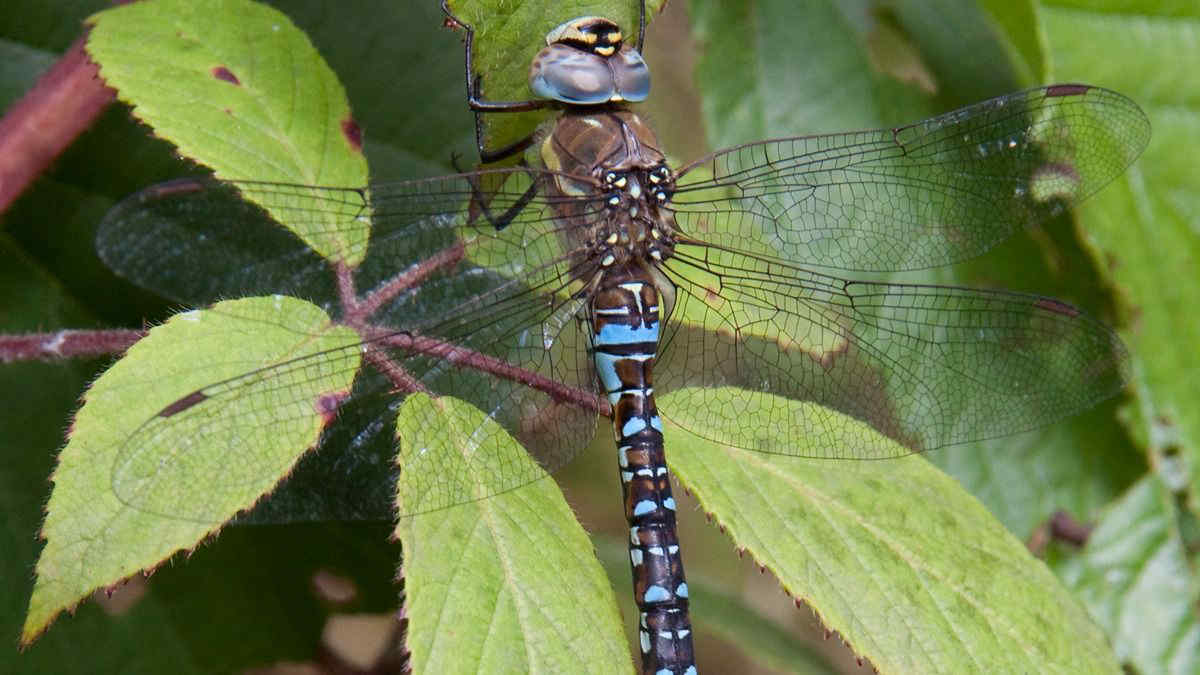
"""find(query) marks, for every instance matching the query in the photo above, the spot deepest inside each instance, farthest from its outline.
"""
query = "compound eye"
(586, 63)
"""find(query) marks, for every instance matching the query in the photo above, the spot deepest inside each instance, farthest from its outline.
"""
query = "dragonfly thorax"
(609, 164)
(634, 227)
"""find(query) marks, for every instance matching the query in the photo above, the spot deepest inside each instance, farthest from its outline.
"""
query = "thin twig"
(64, 102)
(399, 377)
(409, 278)
(463, 357)
(66, 344)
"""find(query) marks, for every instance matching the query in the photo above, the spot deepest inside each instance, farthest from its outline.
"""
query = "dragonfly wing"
(926, 365)
(919, 196)
(494, 322)
(196, 241)
(226, 421)
(200, 240)
(540, 405)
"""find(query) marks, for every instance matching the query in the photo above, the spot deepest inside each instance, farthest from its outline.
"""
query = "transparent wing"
(479, 280)
(202, 240)
(919, 196)
(459, 294)
(926, 365)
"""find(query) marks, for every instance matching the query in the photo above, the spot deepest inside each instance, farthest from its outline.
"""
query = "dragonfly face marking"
(585, 62)
(594, 34)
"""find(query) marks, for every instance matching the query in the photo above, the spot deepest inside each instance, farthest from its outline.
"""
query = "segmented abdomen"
(625, 324)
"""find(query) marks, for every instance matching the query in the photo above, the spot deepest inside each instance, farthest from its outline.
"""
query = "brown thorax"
(613, 157)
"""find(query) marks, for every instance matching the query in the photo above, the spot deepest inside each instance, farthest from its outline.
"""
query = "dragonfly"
(597, 276)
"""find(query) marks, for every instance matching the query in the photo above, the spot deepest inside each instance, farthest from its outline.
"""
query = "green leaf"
(256, 103)
(254, 584)
(838, 82)
(1136, 578)
(752, 89)
(910, 569)
(122, 473)
(1079, 466)
(502, 585)
(974, 50)
(509, 34)
(20, 65)
(1025, 42)
(1144, 229)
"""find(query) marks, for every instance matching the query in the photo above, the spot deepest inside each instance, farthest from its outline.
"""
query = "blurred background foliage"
(725, 72)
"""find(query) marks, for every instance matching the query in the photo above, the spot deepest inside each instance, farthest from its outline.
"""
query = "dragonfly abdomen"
(625, 317)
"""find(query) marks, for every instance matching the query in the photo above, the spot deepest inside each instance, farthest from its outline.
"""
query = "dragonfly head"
(586, 62)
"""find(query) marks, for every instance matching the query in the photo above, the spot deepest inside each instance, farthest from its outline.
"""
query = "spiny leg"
(477, 104)
(478, 198)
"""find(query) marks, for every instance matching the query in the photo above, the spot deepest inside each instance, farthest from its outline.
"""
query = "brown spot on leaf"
(223, 73)
(353, 133)
(327, 405)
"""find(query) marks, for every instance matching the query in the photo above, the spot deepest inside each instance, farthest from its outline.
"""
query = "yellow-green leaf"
(507, 584)
(256, 103)
(909, 568)
(181, 435)
(1135, 576)
(1144, 229)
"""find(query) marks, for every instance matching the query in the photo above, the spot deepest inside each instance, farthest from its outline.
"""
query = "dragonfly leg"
(479, 199)
(480, 106)
(487, 155)
(641, 24)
